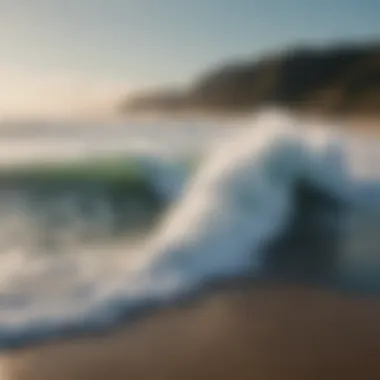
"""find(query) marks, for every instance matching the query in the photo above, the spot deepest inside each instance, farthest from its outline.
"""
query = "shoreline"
(238, 332)
(194, 296)
(236, 328)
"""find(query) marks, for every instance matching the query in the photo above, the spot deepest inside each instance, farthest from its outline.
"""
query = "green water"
(48, 206)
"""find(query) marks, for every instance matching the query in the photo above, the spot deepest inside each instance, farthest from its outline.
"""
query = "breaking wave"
(281, 198)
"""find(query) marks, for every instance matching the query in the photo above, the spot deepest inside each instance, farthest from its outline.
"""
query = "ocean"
(101, 222)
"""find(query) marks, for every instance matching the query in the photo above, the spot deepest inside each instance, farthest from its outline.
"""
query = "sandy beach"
(266, 332)
(189, 190)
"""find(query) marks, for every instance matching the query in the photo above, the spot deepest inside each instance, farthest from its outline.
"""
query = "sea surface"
(101, 221)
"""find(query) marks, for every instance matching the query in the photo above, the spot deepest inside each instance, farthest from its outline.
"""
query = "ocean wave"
(230, 218)
(53, 204)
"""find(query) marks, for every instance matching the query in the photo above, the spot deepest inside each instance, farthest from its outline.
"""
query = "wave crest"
(241, 205)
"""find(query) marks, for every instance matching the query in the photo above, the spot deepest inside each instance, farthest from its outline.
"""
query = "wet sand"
(261, 332)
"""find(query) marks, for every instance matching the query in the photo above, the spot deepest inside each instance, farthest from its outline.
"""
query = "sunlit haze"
(67, 57)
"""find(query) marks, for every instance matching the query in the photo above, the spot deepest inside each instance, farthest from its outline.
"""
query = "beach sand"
(264, 332)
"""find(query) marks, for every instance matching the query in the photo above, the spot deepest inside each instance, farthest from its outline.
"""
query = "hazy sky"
(61, 55)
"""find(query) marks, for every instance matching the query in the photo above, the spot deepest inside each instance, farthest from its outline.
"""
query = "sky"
(68, 56)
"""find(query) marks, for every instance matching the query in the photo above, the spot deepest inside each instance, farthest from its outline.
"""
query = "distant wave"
(229, 219)
(51, 207)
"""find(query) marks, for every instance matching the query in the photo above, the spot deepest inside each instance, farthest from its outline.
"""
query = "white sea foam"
(240, 199)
